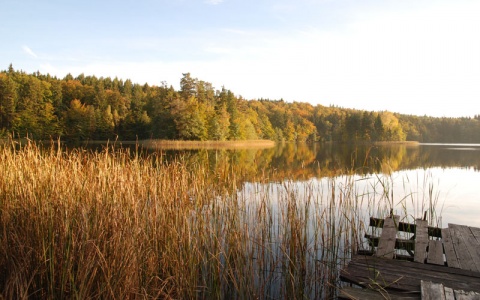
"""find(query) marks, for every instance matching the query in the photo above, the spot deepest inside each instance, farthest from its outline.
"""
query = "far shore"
(165, 144)
(192, 145)
(408, 143)
(172, 144)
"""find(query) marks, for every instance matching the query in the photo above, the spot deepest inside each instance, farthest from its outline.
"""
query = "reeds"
(117, 225)
(183, 145)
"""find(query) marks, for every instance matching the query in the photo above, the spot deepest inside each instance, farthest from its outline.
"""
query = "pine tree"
(8, 99)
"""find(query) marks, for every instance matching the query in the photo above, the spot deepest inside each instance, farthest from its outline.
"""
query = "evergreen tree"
(187, 86)
(8, 99)
(379, 130)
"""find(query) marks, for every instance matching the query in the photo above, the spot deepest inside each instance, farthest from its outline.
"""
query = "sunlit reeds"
(182, 145)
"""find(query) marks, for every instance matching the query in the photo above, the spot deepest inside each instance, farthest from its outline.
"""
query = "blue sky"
(417, 57)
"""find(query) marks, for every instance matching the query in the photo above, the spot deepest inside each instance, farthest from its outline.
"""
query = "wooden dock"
(433, 263)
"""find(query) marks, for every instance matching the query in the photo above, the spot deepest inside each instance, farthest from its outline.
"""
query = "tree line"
(86, 107)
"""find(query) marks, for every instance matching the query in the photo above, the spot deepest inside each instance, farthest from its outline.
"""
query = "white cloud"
(29, 51)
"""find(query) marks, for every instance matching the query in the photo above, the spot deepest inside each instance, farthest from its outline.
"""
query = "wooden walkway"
(433, 264)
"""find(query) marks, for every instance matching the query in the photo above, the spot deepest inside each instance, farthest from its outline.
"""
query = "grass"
(116, 225)
(183, 145)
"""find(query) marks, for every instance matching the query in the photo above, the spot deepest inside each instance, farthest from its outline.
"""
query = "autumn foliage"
(87, 107)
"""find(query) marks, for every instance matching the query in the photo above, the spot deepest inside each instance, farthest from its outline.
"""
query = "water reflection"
(306, 161)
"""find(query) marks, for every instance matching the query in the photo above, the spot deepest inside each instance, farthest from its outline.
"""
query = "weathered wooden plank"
(366, 294)
(462, 295)
(371, 271)
(450, 255)
(432, 291)
(402, 226)
(400, 264)
(358, 294)
(406, 227)
(421, 241)
(397, 256)
(476, 233)
(386, 245)
(449, 294)
(464, 258)
(467, 247)
(435, 252)
(473, 245)
(399, 243)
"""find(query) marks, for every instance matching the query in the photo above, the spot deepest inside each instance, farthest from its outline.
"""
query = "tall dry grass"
(117, 225)
(183, 145)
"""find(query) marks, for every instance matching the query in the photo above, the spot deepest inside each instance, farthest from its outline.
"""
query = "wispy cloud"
(29, 52)
(213, 2)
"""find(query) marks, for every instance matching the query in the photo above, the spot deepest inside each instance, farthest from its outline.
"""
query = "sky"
(419, 57)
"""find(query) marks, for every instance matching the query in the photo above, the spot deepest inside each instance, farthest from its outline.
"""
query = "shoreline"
(408, 143)
(176, 144)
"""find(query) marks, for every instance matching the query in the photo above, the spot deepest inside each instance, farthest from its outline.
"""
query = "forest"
(89, 108)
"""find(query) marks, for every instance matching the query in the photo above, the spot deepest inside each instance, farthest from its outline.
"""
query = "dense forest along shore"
(89, 108)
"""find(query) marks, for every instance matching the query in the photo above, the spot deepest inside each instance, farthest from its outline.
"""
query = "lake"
(417, 176)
